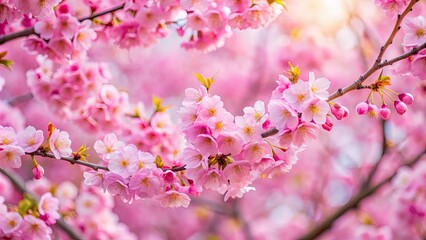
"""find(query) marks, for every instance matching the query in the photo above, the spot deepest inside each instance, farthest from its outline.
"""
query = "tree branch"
(373, 171)
(30, 31)
(20, 185)
(354, 202)
(94, 166)
(378, 62)
(20, 99)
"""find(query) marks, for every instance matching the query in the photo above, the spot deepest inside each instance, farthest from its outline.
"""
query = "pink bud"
(400, 107)
(180, 31)
(384, 112)
(328, 125)
(337, 110)
(38, 172)
(266, 124)
(63, 9)
(406, 98)
(362, 108)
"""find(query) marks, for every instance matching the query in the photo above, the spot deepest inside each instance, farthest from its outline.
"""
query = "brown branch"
(71, 160)
(384, 149)
(30, 31)
(20, 185)
(354, 202)
(20, 99)
(378, 64)
(94, 166)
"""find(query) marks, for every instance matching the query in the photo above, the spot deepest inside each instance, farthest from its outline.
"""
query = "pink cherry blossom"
(145, 183)
(319, 86)
(124, 161)
(107, 146)
(254, 152)
(30, 139)
(193, 96)
(229, 143)
(87, 204)
(45, 28)
(257, 112)
(282, 115)
(60, 144)
(84, 37)
(418, 65)
(7, 136)
(392, 7)
(36, 229)
(206, 144)
(415, 31)
(297, 94)
(315, 110)
(42, 9)
(10, 222)
(248, 128)
(174, 199)
(49, 208)
(304, 133)
(10, 156)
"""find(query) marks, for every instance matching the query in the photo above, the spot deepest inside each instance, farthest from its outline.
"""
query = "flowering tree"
(315, 120)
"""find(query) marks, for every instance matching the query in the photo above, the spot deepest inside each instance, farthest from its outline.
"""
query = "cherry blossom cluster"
(78, 90)
(299, 108)
(156, 134)
(134, 174)
(140, 23)
(208, 23)
(223, 153)
(63, 37)
(87, 209)
(29, 220)
(226, 153)
(67, 87)
(29, 141)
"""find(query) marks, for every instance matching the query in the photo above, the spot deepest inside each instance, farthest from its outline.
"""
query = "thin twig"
(354, 202)
(30, 31)
(384, 148)
(20, 185)
(94, 166)
(378, 64)
(237, 215)
(20, 99)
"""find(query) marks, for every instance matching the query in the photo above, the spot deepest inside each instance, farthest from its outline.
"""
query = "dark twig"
(384, 148)
(30, 31)
(354, 202)
(20, 99)
(94, 166)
